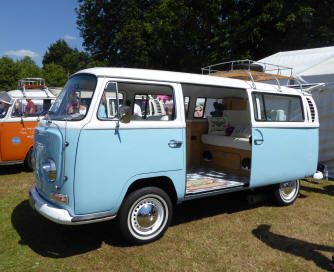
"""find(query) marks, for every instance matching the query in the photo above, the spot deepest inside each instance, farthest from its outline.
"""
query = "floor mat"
(203, 179)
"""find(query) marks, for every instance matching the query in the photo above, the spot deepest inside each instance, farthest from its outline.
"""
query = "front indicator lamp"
(60, 198)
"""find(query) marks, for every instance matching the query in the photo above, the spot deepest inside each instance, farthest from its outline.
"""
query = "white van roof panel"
(189, 78)
(29, 93)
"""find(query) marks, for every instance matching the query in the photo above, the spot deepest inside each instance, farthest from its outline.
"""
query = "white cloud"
(22, 53)
(69, 37)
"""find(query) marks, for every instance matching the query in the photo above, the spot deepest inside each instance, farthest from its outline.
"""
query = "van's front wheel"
(286, 192)
(145, 215)
(29, 160)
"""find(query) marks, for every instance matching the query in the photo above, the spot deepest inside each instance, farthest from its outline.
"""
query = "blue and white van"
(131, 144)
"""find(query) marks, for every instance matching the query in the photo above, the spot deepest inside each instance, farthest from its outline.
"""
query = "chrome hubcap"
(147, 216)
(288, 190)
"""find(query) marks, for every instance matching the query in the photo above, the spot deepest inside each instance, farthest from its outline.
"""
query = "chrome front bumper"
(61, 216)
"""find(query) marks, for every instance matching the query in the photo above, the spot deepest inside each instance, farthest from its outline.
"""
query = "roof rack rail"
(249, 70)
(32, 83)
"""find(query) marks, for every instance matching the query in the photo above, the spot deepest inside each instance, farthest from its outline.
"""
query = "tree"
(54, 75)
(62, 54)
(9, 74)
(185, 35)
(28, 68)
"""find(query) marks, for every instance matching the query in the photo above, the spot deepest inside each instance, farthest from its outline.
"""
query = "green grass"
(221, 233)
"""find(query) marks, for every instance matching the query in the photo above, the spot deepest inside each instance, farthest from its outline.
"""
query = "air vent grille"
(312, 109)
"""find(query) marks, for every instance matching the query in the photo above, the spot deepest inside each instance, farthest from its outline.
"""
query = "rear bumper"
(61, 216)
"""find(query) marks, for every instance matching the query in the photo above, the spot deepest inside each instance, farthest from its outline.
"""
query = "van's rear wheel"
(28, 161)
(286, 192)
(145, 215)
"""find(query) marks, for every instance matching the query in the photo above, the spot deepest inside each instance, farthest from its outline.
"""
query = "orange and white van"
(20, 111)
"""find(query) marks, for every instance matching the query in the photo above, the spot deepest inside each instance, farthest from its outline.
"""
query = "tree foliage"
(62, 54)
(54, 75)
(12, 71)
(9, 74)
(185, 35)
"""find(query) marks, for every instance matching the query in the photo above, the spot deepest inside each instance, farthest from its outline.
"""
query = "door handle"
(175, 144)
(259, 141)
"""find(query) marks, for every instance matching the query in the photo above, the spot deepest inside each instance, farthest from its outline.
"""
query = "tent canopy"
(309, 65)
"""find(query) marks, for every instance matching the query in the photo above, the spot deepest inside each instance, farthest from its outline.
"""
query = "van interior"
(218, 138)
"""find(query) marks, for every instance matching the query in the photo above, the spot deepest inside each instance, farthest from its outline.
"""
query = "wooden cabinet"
(225, 158)
(235, 103)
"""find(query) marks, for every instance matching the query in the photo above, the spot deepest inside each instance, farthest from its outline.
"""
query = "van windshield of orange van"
(3, 109)
(74, 101)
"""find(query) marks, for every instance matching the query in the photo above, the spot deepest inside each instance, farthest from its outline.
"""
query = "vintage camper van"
(20, 111)
(213, 136)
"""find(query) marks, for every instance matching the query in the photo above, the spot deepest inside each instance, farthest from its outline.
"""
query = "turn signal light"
(60, 198)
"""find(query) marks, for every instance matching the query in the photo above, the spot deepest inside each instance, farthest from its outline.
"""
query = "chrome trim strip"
(61, 216)
(10, 162)
(103, 215)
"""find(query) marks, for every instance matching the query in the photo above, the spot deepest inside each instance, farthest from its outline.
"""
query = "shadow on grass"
(211, 206)
(327, 190)
(12, 169)
(59, 241)
(306, 250)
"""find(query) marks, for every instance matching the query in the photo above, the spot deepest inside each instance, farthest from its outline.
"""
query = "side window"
(154, 106)
(199, 108)
(31, 107)
(108, 105)
(186, 105)
(214, 107)
(144, 102)
(277, 108)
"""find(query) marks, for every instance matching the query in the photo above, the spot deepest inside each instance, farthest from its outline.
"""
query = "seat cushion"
(227, 141)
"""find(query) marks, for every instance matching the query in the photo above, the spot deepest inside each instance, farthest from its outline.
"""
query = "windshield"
(74, 100)
(3, 109)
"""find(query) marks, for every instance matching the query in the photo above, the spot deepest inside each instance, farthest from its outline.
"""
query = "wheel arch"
(162, 182)
(27, 150)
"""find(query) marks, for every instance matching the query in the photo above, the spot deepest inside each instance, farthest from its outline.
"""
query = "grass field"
(222, 233)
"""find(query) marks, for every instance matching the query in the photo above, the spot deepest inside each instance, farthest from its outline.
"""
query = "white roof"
(187, 78)
(310, 65)
(29, 94)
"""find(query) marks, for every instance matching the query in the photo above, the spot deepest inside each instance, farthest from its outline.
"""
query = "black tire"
(28, 161)
(145, 215)
(286, 193)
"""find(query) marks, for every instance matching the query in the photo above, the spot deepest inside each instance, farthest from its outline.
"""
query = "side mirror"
(124, 113)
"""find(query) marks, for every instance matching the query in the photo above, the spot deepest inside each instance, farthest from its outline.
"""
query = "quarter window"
(277, 108)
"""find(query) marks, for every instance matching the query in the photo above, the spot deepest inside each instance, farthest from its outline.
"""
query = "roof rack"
(250, 70)
(32, 83)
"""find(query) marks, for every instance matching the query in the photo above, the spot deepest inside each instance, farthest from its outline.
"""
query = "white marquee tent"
(315, 66)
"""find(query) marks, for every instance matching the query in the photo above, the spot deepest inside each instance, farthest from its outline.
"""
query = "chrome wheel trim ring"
(147, 217)
(288, 190)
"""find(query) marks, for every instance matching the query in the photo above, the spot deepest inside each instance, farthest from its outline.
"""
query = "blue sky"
(29, 27)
